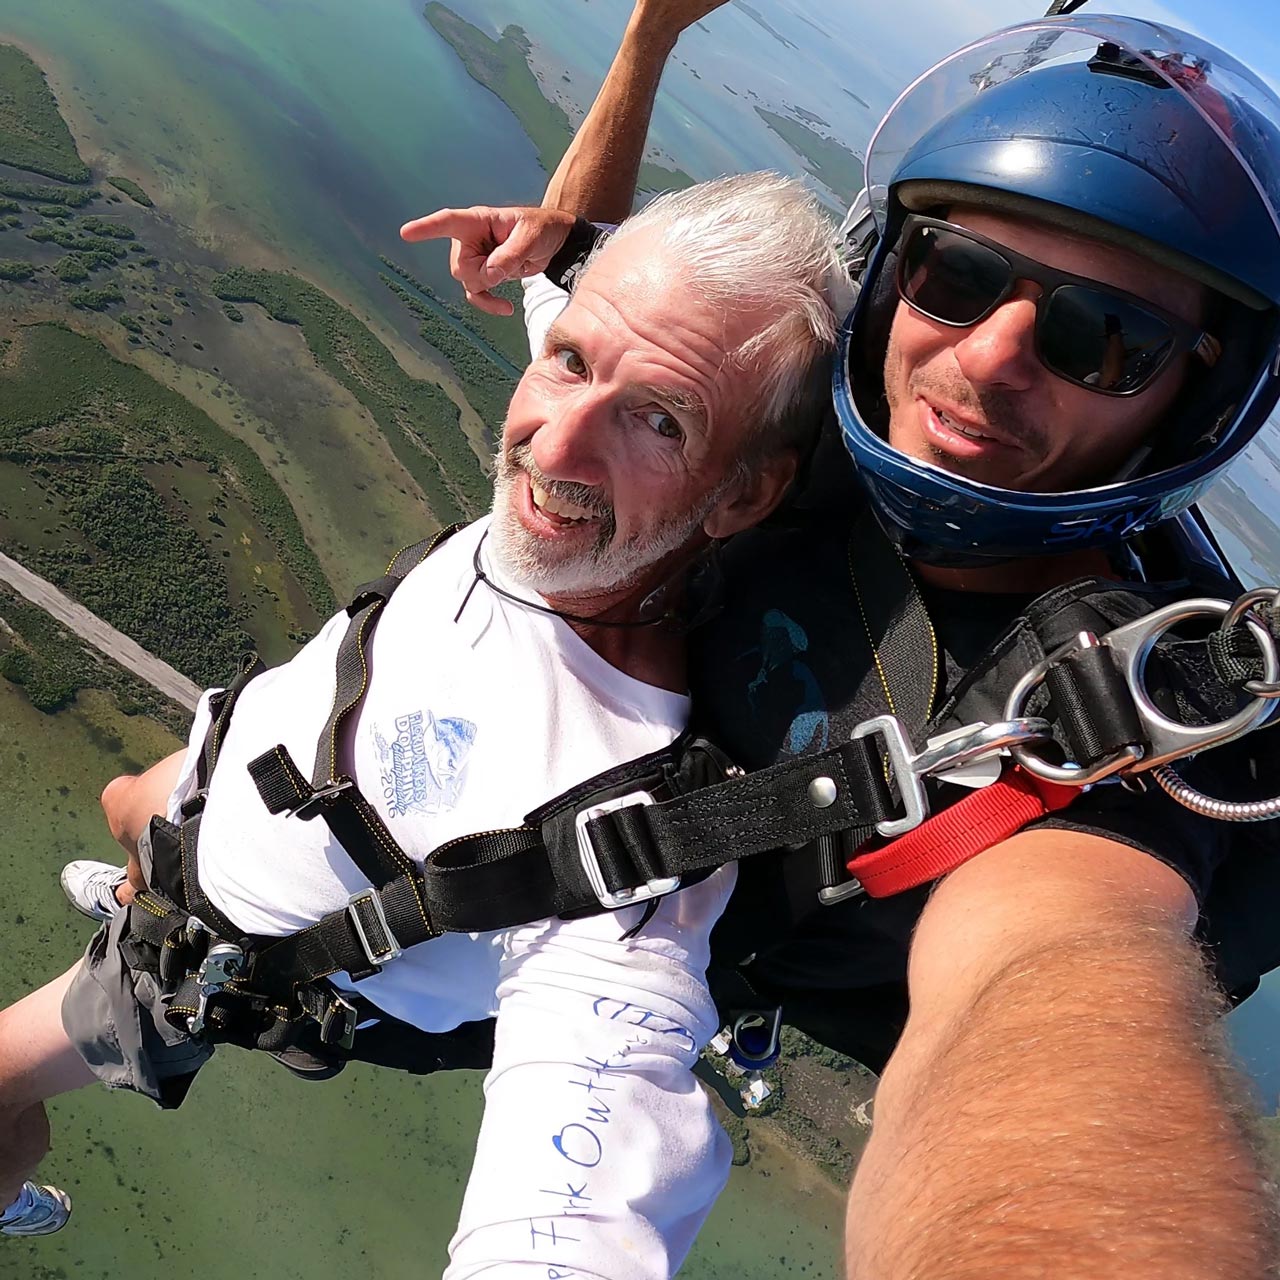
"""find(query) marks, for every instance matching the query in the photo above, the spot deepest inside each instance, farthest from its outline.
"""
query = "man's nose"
(1001, 350)
(571, 443)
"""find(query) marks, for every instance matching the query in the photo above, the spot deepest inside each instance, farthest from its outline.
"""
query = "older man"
(529, 651)
(1067, 326)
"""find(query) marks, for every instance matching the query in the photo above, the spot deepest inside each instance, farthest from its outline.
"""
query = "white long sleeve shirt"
(598, 1153)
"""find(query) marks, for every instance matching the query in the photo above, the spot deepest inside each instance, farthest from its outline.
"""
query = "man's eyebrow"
(556, 337)
(682, 401)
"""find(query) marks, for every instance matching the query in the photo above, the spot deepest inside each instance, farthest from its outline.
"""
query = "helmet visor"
(1230, 98)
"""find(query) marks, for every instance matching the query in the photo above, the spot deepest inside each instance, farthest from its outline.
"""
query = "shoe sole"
(64, 1200)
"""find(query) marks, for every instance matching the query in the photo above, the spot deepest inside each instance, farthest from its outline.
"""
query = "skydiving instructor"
(1067, 326)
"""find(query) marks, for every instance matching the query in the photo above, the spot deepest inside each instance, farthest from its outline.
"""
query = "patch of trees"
(152, 577)
(95, 299)
(41, 193)
(72, 269)
(487, 385)
(102, 227)
(14, 270)
(736, 1127)
(48, 687)
(60, 373)
(51, 666)
(133, 191)
(233, 313)
(505, 334)
(107, 250)
(33, 134)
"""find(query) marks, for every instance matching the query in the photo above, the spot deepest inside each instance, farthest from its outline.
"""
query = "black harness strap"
(567, 864)
(335, 798)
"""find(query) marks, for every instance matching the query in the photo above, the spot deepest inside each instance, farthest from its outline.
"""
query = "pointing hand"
(493, 245)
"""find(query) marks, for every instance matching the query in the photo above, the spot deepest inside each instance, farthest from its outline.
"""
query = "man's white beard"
(607, 564)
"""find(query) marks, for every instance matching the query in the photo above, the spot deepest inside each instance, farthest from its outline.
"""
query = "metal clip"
(609, 899)
(223, 962)
(311, 805)
(338, 1026)
(964, 746)
(756, 1038)
(377, 952)
(1166, 739)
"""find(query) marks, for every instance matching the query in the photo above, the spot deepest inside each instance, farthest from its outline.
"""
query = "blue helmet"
(1122, 131)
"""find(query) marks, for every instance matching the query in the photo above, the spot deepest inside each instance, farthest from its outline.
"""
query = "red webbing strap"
(941, 843)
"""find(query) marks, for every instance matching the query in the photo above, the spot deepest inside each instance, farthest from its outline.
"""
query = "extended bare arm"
(596, 179)
(1061, 1104)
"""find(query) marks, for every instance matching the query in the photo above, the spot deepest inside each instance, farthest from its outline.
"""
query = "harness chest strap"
(626, 836)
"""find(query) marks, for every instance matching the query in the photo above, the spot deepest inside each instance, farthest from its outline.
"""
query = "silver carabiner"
(1232, 618)
(1166, 739)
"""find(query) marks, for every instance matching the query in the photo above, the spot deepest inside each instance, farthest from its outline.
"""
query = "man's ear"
(748, 502)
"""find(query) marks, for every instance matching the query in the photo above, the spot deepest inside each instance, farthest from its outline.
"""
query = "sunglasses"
(1088, 333)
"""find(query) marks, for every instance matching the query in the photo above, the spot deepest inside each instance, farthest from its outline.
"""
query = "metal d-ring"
(1167, 739)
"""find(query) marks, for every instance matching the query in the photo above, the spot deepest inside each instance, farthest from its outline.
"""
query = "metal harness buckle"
(223, 962)
(615, 900)
(338, 1026)
(1166, 739)
(377, 956)
(941, 755)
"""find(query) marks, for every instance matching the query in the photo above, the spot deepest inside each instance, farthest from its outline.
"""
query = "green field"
(89, 436)
(33, 135)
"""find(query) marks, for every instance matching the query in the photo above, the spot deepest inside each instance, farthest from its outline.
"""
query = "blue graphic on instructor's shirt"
(424, 765)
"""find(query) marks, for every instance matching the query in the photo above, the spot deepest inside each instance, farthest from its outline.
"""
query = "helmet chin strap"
(652, 611)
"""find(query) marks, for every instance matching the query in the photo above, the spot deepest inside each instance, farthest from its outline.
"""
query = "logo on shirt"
(423, 767)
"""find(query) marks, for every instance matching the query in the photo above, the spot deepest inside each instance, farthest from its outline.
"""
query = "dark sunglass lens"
(1103, 341)
(950, 277)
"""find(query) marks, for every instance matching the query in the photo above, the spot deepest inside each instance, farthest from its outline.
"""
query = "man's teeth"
(556, 506)
(971, 432)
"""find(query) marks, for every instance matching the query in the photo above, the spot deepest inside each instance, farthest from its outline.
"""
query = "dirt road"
(88, 626)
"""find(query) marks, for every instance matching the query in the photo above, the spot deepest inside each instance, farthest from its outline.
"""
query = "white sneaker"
(91, 887)
(38, 1211)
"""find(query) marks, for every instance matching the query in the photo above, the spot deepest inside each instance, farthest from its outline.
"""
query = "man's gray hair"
(761, 242)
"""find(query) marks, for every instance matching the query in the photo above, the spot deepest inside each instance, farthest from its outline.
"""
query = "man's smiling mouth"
(550, 505)
(972, 432)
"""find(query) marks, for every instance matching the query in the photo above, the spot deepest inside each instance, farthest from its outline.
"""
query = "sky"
(1245, 28)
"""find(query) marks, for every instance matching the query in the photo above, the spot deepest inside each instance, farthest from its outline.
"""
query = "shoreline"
(231, 241)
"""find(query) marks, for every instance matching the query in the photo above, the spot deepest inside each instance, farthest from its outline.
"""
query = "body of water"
(303, 132)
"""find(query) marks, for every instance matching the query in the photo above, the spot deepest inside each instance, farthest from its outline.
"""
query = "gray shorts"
(114, 1017)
